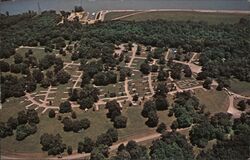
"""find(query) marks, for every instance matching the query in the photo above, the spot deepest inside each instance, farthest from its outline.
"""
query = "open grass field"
(240, 87)
(39, 53)
(11, 107)
(99, 124)
(137, 63)
(215, 101)
(211, 18)
(112, 88)
(111, 15)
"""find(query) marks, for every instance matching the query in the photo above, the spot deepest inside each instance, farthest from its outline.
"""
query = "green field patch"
(163, 117)
(11, 107)
(240, 87)
(215, 101)
(139, 86)
(117, 88)
(59, 94)
(99, 124)
(211, 18)
(111, 15)
(136, 75)
(137, 63)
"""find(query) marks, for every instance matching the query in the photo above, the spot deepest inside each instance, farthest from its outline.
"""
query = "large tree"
(114, 109)
(53, 144)
(145, 68)
(120, 121)
(65, 107)
(62, 77)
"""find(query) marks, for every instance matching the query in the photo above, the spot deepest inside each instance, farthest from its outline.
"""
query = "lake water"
(19, 6)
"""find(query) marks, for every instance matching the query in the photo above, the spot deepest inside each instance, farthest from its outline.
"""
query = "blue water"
(19, 6)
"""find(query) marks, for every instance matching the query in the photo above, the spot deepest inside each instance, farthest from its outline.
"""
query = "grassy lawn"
(240, 87)
(137, 63)
(163, 117)
(99, 124)
(112, 88)
(212, 18)
(215, 101)
(136, 75)
(11, 107)
(135, 123)
(59, 94)
(111, 15)
(37, 52)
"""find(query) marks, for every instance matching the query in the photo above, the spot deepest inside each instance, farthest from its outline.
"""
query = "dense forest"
(223, 43)
(224, 54)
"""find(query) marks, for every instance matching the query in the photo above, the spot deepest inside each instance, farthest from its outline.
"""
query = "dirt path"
(166, 56)
(191, 60)
(187, 89)
(231, 109)
(111, 148)
(31, 47)
(133, 55)
(78, 80)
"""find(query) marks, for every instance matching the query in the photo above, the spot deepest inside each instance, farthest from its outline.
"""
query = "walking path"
(192, 59)
(31, 47)
(78, 80)
(166, 56)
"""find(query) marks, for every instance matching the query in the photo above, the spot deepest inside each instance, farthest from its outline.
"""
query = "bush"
(52, 113)
(65, 107)
(69, 150)
(120, 122)
(85, 123)
(242, 105)
(161, 128)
